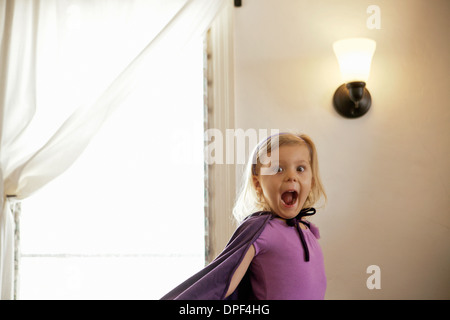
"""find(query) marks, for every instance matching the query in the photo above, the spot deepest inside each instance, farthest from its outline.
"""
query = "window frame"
(220, 180)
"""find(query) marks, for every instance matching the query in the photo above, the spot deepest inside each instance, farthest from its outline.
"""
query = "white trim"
(222, 180)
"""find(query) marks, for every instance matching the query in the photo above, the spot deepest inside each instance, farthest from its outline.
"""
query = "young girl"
(274, 253)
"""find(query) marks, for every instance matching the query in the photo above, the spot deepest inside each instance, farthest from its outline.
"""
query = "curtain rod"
(237, 3)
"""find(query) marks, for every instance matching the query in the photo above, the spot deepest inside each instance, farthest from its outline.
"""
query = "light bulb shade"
(355, 57)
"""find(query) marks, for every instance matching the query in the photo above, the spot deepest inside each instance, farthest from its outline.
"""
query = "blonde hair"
(248, 201)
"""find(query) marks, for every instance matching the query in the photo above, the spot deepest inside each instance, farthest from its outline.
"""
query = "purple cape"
(212, 282)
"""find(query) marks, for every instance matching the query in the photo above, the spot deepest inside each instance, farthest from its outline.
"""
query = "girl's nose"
(291, 175)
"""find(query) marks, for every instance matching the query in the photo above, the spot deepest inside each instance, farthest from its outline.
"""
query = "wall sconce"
(352, 99)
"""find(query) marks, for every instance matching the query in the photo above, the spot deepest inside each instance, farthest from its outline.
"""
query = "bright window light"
(126, 221)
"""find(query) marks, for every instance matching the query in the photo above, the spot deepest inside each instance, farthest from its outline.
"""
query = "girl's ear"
(257, 184)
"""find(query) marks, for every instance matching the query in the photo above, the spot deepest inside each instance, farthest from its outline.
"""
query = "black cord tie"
(295, 222)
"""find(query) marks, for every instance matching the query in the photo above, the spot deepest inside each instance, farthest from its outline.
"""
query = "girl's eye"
(301, 169)
(276, 169)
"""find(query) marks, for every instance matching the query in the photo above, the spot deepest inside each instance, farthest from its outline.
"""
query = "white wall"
(386, 174)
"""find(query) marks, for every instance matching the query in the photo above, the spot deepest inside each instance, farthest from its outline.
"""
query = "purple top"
(279, 270)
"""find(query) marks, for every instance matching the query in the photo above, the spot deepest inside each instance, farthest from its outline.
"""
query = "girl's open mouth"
(289, 198)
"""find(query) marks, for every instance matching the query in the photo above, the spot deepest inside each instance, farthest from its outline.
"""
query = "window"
(123, 219)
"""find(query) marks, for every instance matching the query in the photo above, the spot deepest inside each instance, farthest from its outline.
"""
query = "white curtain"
(35, 150)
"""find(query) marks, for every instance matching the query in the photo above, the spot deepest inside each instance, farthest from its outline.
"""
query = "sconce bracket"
(345, 106)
